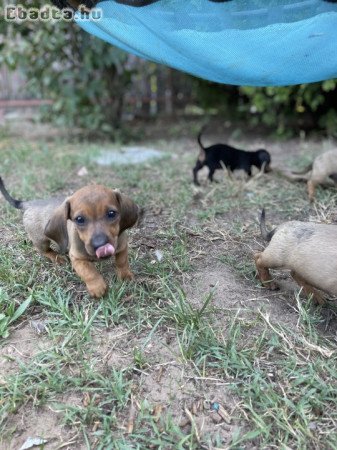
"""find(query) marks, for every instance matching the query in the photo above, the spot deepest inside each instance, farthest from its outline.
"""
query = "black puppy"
(219, 155)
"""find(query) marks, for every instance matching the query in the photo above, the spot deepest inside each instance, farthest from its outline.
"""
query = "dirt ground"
(219, 249)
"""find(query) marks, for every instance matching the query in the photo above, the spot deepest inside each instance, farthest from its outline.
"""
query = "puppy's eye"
(111, 214)
(80, 220)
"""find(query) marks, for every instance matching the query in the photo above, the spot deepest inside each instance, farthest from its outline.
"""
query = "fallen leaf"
(86, 399)
(33, 442)
(39, 326)
(159, 255)
(224, 414)
(82, 172)
(132, 417)
(157, 410)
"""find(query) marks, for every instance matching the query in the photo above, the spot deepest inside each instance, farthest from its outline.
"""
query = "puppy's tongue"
(105, 250)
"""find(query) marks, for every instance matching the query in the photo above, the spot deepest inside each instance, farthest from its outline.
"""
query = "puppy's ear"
(129, 211)
(56, 228)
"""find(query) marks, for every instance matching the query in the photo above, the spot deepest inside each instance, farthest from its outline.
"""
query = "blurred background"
(55, 72)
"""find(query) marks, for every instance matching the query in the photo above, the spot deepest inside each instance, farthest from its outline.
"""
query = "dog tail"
(292, 176)
(303, 171)
(202, 153)
(266, 235)
(16, 203)
(199, 137)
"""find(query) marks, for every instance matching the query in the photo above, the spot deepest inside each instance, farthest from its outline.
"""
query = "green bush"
(293, 107)
(285, 109)
(85, 77)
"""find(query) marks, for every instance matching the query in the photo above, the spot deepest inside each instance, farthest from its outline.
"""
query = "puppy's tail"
(266, 235)
(16, 203)
(202, 153)
(199, 137)
(303, 171)
(292, 176)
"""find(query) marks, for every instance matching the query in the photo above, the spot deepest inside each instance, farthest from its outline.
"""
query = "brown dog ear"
(56, 228)
(129, 211)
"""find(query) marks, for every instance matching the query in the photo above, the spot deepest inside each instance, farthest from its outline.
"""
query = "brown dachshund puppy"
(322, 171)
(308, 249)
(89, 225)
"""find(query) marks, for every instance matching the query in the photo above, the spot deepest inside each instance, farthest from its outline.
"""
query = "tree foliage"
(306, 105)
(87, 78)
(84, 76)
(285, 109)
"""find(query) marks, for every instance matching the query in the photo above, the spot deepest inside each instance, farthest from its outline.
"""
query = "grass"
(127, 372)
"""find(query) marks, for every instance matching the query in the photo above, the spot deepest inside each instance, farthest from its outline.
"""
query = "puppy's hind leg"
(43, 247)
(311, 186)
(199, 165)
(308, 289)
(263, 273)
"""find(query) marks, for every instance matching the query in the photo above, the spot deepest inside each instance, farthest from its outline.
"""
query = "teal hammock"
(241, 42)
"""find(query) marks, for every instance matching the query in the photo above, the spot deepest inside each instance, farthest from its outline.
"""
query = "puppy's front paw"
(97, 288)
(60, 260)
(125, 274)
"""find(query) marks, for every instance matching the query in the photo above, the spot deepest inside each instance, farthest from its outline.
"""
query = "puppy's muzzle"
(101, 245)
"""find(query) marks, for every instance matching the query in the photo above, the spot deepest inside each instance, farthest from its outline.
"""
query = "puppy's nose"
(98, 240)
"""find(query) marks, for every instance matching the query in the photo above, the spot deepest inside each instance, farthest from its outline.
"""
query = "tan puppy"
(309, 250)
(89, 225)
(322, 171)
